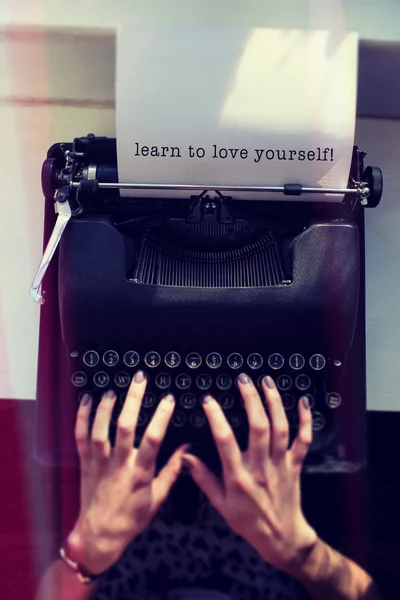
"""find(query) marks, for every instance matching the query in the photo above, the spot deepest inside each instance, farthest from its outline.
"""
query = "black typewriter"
(195, 291)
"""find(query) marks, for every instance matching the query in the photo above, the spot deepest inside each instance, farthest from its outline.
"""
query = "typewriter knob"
(49, 178)
(373, 177)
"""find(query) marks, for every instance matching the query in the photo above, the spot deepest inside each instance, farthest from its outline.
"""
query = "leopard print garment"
(206, 554)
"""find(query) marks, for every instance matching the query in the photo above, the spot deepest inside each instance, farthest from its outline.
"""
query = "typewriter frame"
(60, 181)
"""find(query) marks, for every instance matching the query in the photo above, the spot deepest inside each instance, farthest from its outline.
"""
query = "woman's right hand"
(119, 493)
(259, 496)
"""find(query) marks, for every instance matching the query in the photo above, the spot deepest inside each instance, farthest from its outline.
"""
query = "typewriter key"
(259, 380)
(131, 358)
(297, 361)
(235, 421)
(302, 382)
(235, 360)
(122, 380)
(149, 400)
(333, 399)
(284, 383)
(142, 419)
(224, 382)
(311, 399)
(163, 381)
(178, 418)
(193, 360)
(91, 358)
(152, 359)
(172, 359)
(214, 360)
(110, 358)
(226, 401)
(188, 400)
(288, 401)
(183, 381)
(101, 379)
(121, 400)
(276, 361)
(79, 379)
(197, 419)
(255, 361)
(318, 421)
(317, 362)
(204, 382)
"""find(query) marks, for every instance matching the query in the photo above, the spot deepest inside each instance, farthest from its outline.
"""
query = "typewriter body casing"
(185, 289)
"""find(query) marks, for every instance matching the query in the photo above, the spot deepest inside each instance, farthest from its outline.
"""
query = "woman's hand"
(260, 494)
(119, 493)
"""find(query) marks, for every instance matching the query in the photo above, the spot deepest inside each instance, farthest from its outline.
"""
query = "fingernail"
(206, 399)
(168, 398)
(269, 382)
(109, 395)
(139, 377)
(243, 378)
(85, 399)
(305, 402)
(186, 463)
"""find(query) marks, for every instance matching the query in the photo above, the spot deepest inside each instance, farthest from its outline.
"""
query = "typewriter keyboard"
(190, 375)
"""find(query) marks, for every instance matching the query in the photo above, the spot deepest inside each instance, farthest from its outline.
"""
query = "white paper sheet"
(235, 106)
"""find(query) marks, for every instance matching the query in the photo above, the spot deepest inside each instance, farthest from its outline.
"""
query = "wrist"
(327, 574)
(86, 553)
(289, 553)
(306, 565)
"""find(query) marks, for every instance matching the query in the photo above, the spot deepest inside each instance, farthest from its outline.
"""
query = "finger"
(224, 437)
(206, 480)
(82, 428)
(303, 439)
(259, 428)
(127, 420)
(150, 445)
(279, 423)
(101, 446)
(168, 475)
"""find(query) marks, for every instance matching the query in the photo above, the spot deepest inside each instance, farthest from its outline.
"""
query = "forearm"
(328, 575)
(59, 582)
